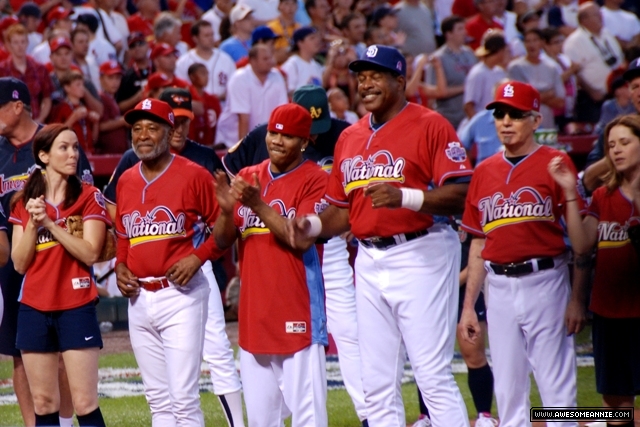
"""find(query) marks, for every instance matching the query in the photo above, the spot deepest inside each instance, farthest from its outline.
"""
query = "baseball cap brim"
(321, 125)
(133, 116)
(363, 65)
(183, 112)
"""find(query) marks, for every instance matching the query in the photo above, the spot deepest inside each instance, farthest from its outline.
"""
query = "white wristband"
(315, 225)
(412, 198)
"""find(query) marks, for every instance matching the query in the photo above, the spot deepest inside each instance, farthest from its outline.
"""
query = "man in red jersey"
(164, 207)
(515, 210)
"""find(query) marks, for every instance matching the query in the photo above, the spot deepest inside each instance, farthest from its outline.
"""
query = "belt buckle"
(510, 269)
(375, 239)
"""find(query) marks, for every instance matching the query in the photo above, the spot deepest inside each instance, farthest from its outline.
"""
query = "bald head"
(589, 17)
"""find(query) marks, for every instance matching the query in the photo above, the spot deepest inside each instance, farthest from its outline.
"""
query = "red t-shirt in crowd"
(203, 127)
(62, 111)
(55, 280)
(113, 141)
(476, 27)
(464, 8)
(137, 23)
(36, 77)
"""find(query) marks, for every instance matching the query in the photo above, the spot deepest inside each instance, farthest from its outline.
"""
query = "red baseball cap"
(57, 13)
(109, 68)
(152, 109)
(291, 119)
(157, 80)
(163, 49)
(517, 95)
(6, 22)
(58, 43)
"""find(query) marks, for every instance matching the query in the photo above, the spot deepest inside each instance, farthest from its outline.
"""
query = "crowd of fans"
(87, 62)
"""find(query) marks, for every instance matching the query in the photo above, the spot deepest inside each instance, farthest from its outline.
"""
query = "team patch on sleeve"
(456, 152)
(99, 199)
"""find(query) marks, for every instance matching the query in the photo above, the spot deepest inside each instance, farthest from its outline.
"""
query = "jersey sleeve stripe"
(231, 174)
(337, 202)
(593, 214)
(106, 199)
(448, 175)
(97, 217)
(15, 220)
(473, 231)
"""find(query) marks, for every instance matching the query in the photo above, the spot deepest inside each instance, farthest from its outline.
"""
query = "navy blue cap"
(262, 33)
(301, 33)
(12, 89)
(633, 70)
(380, 56)
(30, 9)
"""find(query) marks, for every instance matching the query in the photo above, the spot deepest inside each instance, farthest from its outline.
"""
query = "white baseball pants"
(217, 348)
(409, 293)
(525, 317)
(342, 320)
(276, 386)
(167, 331)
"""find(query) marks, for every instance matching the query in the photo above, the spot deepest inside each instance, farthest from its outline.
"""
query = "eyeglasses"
(513, 114)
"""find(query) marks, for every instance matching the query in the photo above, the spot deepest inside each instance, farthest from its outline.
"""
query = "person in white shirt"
(58, 25)
(216, 14)
(263, 10)
(105, 31)
(117, 20)
(625, 26)
(597, 52)
(255, 91)
(99, 47)
(82, 58)
(301, 69)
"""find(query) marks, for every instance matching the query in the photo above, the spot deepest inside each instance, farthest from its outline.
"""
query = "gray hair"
(164, 23)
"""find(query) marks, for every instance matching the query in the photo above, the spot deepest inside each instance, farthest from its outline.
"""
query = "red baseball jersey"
(56, 280)
(517, 208)
(414, 149)
(616, 285)
(282, 294)
(164, 220)
(203, 127)
(82, 128)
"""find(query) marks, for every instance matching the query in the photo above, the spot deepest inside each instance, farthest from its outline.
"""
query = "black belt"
(387, 242)
(522, 268)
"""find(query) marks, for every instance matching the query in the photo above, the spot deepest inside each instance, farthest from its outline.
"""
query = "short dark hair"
(193, 68)
(449, 23)
(195, 29)
(344, 24)
(90, 21)
(550, 33)
(308, 4)
(70, 77)
(77, 31)
(536, 31)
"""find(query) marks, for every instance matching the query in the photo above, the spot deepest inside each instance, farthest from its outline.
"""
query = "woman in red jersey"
(57, 310)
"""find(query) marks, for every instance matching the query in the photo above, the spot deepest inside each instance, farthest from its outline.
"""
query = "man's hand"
(298, 232)
(226, 201)
(384, 196)
(127, 282)
(575, 316)
(247, 194)
(182, 271)
(469, 327)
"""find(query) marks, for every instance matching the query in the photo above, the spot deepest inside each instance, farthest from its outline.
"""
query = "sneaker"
(486, 421)
(423, 422)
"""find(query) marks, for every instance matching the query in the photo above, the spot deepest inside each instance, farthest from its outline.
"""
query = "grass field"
(133, 411)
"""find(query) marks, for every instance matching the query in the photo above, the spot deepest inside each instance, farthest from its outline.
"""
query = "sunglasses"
(513, 114)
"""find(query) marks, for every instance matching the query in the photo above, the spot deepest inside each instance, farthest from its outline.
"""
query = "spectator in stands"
(377, 35)
(339, 106)
(464, 8)
(553, 40)
(265, 35)
(135, 78)
(301, 67)
(485, 75)
(319, 12)
(142, 20)
(156, 83)
(340, 9)
(540, 73)
(167, 29)
(30, 16)
(58, 25)
(284, 26)
(5, 23)
(597, 52)
(387, 18)
(416, 90)
(336, 72)
(203, 126)
(216, 14)
(218, 63)
(564, 16)
(353, 27)
(242, 25)
(457, 60)
(81, 57)
(263, 10)
(113, 130)
(618, 105)
(107, 9)
(508, 20)
(416, 20)
(255, 91)
(24, 68)
(74, 113)
(99, 47)
(164, 57)
(105, 30)
(483, 21)
(528, 21)
(625, 26)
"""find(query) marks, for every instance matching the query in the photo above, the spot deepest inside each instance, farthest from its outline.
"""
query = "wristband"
(571, 200)
(412, 198)
(315, 225)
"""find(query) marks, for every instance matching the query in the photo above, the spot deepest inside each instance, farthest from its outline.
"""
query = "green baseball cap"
(314, 99)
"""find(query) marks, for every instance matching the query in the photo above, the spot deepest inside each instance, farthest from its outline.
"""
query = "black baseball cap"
(381, 56)
(12, 89)
(380, 13)
(179, 100)
(633, 70)
(30, 9)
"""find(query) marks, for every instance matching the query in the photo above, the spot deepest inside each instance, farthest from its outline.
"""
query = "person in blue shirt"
(481, 131)
(242, 25)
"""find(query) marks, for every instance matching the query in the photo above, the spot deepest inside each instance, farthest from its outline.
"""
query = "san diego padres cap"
(152, 109)
(12, 89)
(290, 119)
(633, 70)
(518, 95)
(314, 99)
(180, 100)
(381, 56)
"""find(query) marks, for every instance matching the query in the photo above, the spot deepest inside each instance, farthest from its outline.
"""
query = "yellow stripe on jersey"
(47, 245)
(613, 244)
(508, 221)
(145, 239)
(254, 230)
(364, 182)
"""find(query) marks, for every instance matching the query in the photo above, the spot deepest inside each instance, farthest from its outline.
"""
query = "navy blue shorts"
(53, 331)
(11, 283)
(616, 353)
(481, 308)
